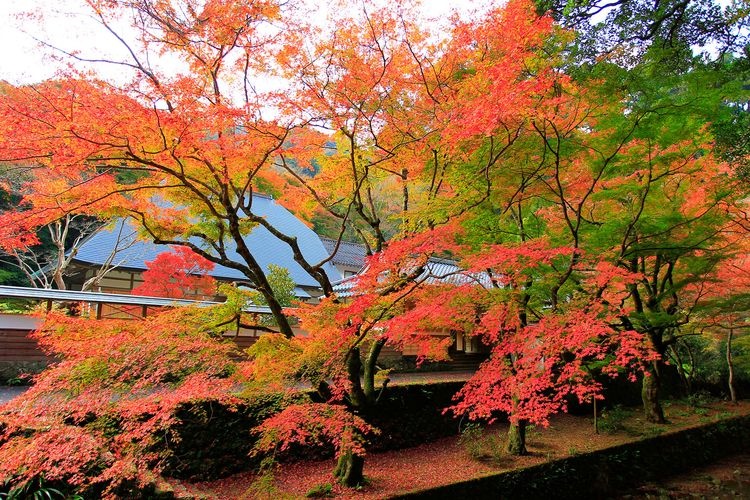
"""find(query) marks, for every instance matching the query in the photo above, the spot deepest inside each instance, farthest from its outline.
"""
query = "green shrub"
(482, 444)
(410, 415)
(471, 441)
(20, 372)
(324, 490)
(613, 419)
(700, 399)
(36, 490)
(211, 440)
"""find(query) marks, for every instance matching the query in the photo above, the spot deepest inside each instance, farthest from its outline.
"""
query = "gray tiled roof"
(266, 248)
(348, 253)
(443, 271)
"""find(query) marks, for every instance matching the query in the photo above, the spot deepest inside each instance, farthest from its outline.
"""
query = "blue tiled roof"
(348, 254)
(265, 247)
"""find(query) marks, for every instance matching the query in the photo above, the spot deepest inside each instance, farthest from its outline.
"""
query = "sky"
(66, 25)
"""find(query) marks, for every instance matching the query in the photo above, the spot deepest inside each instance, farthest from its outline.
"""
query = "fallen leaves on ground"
(447, 461)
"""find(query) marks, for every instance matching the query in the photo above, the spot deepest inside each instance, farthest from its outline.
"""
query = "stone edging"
(599, 473)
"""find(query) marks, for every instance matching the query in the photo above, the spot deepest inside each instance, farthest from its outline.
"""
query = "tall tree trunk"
(349, 468)
(730, 366)
(516, 444)
(357, 397)
(370, 369)
(650, 394)
(362, 397)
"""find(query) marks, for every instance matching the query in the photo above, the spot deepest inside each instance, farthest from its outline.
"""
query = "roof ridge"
(333, 240)
(443, 260)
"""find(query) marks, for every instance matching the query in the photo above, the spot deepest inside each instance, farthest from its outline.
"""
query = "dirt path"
(724, 479)
(8, 393)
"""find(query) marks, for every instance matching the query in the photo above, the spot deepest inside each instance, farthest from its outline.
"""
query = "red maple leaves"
(179, 273)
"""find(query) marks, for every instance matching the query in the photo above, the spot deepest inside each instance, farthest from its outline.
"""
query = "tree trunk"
(681, 371)
(59, 234)
(277, 310)
(730, 366)
(516, 444)
(349, 469)
(650, 395)
(362, 398)
(357, 397)
(596, 416)
(370, 368)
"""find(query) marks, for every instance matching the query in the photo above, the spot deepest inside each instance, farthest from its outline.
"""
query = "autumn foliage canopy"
(566, 214)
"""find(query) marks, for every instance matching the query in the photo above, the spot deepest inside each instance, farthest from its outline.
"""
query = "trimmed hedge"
(601, 473)
(413, 414)
(211, 440)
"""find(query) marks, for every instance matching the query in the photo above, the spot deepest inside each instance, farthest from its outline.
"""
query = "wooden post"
(99, 310)
(144, 310)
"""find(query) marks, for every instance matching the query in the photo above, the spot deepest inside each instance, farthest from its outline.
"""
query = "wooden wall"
(16, 345)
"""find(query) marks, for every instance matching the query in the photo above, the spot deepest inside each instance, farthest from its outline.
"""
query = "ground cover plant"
(563, 196)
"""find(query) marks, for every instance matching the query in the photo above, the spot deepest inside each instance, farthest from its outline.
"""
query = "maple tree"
(541, 353)
(331, 358)
(41, 251)
(722, 306)
(311, 424)
(615, 164)
(196, 141)
(347, 338)
(177, 274)
(580, 206)
(500, 294)
(662, 57)
(678, 212)
(88, 420)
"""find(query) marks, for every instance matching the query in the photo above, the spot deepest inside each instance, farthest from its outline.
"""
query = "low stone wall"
(600, 473)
